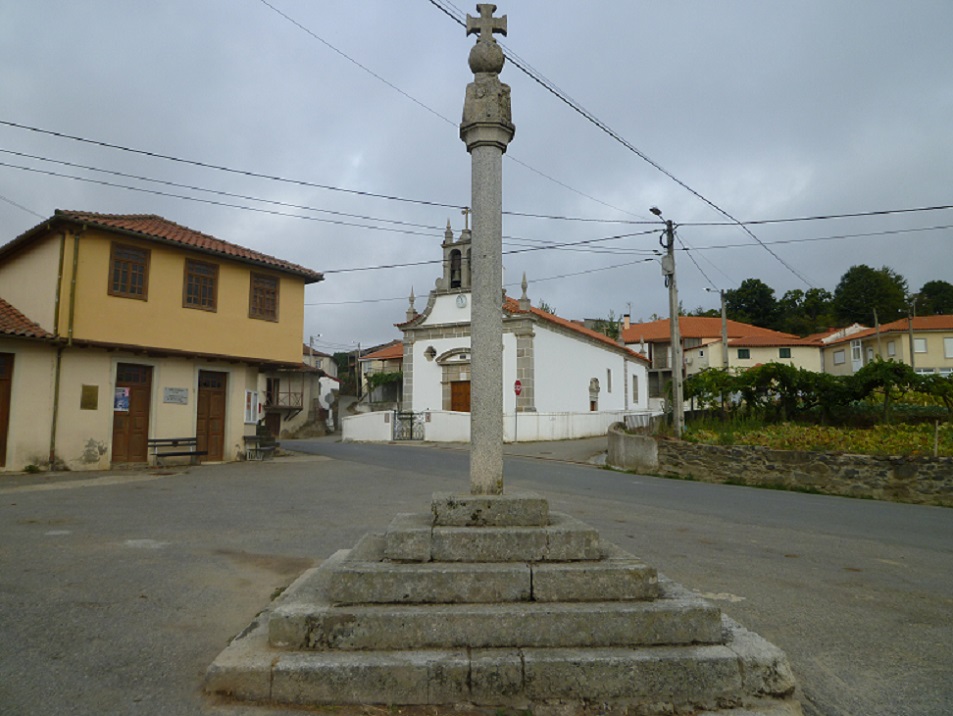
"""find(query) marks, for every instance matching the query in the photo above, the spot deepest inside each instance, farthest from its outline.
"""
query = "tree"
(805, 312)
(935, 298)
(752, 302)
(609, 326)
(862, 290)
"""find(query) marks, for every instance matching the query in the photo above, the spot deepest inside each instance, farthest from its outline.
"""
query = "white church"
(560, 379)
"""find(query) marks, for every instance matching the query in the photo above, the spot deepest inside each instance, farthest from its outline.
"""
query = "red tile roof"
(393, 351)
(694, 327)
(512, 306)
(920, 323)
(155, 228)
(14, 323)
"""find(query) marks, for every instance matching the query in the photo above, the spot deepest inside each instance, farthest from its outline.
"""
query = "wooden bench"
(258, 447)
(175, 447)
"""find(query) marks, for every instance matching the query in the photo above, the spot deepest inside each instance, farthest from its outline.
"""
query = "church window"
(456, 269)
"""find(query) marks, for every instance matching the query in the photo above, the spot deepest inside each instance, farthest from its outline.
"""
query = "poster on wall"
(177, 396)
(121, 402)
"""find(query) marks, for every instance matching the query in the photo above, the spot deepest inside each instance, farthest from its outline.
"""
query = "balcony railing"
(284, 399)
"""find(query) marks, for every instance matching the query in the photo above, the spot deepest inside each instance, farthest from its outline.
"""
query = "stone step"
(514, 509)
(306, 625)
(415, 538)
(742, 673)
(364, 577)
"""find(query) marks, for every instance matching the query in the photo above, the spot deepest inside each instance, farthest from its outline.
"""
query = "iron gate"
(408, 426)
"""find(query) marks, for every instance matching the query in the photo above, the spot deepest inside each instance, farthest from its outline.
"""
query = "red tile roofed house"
(27, 358)
(386, 360)
(930, 337)
(160, 331)
(573, 381)
(702, 345)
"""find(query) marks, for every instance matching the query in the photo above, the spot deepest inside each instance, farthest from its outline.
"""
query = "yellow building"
(145, 329)
(924, 342)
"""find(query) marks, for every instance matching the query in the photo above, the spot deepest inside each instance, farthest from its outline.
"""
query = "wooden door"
(210, 423)
(460, 396)
(131, 413)
(6, 388)
(273, 424)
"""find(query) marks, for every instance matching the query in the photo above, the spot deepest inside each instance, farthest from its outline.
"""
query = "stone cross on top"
(486, 24)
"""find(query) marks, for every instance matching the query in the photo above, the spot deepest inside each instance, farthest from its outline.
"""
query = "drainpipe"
(57, 369)
(72, 285)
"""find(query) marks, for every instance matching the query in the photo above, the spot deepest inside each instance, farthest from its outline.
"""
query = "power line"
(229, 170)
(423, 202)
(416, 101)
(533, 281)
(212, 202)
(217, 192)
(586, 114)
(825, 217)
(11, 202)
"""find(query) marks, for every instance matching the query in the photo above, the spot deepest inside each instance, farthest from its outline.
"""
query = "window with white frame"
(840, 357)
(784, 352)
(919, 345)
(948, 347)
(635, 389)
(744, 353)
(251, 406)
(855, 350)
(891, 348)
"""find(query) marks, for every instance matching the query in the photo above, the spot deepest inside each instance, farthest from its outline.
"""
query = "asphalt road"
(117, 590)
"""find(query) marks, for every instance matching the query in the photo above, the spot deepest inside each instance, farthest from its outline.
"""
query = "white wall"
(564, 367)
(368, 427)
(31, 403)
(428, 391)
(446, 311)
(447, 426)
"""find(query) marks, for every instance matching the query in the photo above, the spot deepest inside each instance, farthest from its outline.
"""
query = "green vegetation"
(883, 409)
(878, 440)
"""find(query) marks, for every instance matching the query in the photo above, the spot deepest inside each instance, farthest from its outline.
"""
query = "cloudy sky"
(765, 110)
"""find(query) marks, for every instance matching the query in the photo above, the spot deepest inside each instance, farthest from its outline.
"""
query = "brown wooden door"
(131, 413)
(460, 396)
(6, 388)
(210, 423)
(273, 424)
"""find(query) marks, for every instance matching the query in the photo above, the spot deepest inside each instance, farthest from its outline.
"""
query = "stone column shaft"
(486, 323)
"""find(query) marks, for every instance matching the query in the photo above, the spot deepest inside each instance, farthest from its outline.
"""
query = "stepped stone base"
(432, 613)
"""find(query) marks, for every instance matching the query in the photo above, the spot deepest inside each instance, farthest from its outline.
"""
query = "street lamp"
(668, 271)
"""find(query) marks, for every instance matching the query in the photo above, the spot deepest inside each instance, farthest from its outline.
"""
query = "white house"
(560, 379)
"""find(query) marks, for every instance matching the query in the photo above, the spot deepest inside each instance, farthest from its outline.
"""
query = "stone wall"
(921, 480)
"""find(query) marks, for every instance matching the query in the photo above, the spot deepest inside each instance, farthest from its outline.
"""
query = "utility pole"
(668, 271)
(911, 314)
(724, 328)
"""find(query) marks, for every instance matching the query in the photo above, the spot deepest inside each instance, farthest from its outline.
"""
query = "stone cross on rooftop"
(486, 24)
